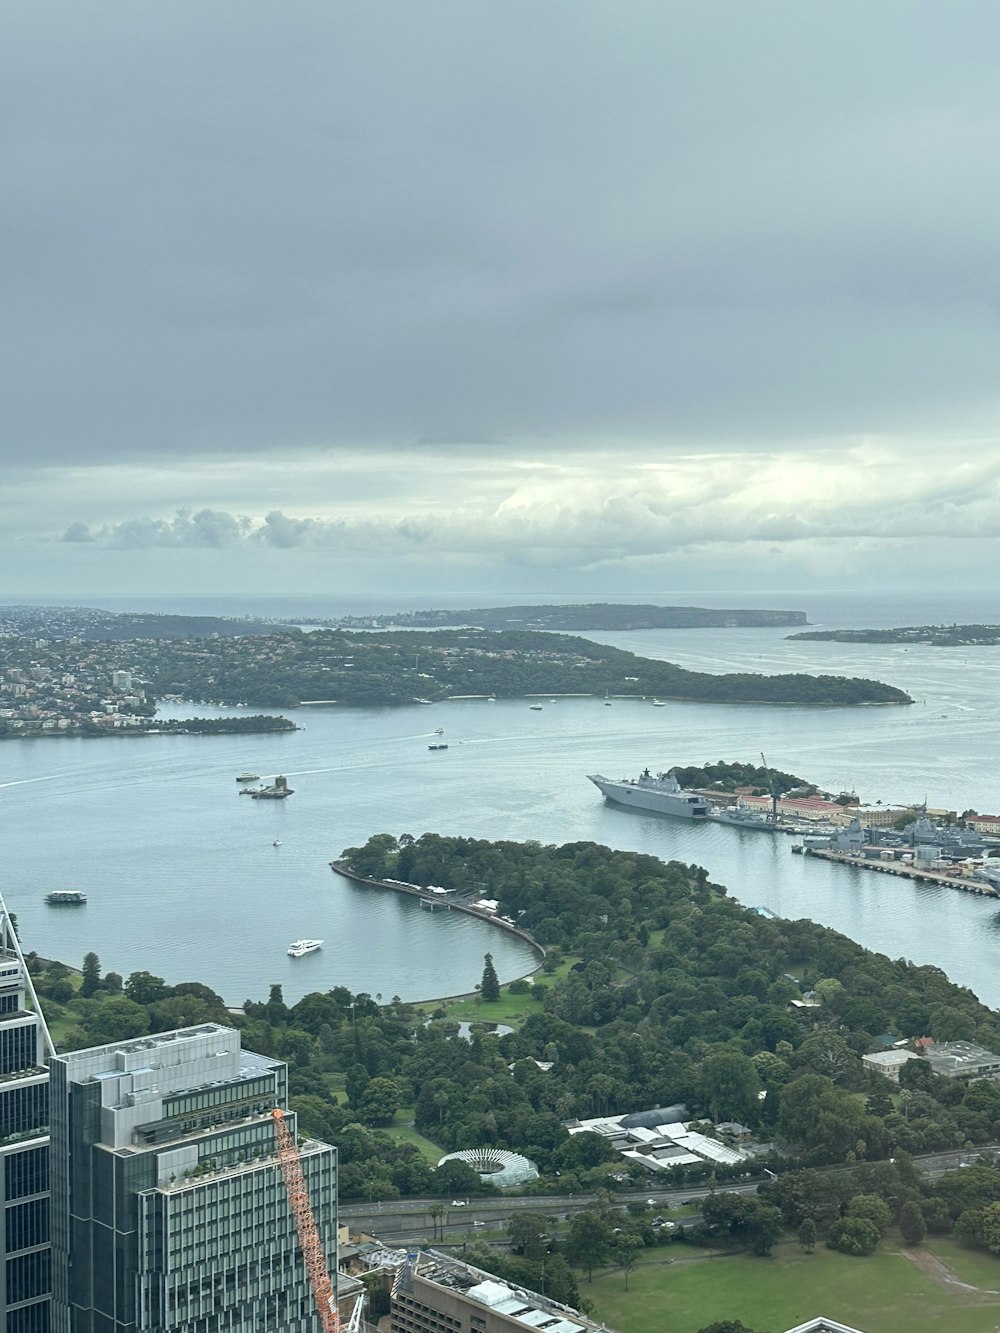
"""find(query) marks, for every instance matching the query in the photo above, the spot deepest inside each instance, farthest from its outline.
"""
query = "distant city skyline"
(691, 297)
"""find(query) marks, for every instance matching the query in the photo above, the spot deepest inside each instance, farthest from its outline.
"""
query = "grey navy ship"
(662, 794)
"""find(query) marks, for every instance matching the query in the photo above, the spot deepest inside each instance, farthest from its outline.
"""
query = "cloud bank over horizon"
(556, 520)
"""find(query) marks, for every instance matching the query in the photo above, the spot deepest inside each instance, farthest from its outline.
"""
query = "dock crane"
(308, 1232)
(770, 787)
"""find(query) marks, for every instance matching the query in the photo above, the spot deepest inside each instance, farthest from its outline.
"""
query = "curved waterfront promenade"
(414, 891)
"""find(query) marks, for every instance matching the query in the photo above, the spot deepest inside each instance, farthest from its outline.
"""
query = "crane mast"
(770, 788)
(305, 1226)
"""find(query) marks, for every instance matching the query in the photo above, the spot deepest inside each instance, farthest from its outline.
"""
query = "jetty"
(427, 897)
(902, 870)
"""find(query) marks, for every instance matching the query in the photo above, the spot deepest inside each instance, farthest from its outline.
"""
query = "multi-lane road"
(401, 1221)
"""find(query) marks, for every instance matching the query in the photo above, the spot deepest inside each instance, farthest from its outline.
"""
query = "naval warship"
(662, 794)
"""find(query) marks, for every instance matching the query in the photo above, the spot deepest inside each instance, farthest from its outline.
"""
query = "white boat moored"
(299, 947)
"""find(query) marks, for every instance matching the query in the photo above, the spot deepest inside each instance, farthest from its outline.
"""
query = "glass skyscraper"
(25, 1275)
(169, 1210)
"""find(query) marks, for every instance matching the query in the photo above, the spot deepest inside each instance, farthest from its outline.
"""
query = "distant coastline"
(575, 618)
(936, 636)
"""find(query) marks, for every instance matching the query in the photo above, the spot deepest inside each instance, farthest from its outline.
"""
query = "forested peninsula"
(938, 636)
(379, 668)
(72, 685)
(581, 616)
(657, 989)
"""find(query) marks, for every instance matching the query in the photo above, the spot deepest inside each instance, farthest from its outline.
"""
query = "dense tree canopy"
(661, 990)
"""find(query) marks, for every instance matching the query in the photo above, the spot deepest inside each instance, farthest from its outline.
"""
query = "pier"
(431, 900)
(903, 870)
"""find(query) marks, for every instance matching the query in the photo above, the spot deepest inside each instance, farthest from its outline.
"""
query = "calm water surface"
(183, 878)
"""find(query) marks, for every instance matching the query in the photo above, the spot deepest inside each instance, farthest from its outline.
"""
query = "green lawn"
(509, 1009)
(883, 1294)
(58, 1027)
(402, 1131)
(973, 1266)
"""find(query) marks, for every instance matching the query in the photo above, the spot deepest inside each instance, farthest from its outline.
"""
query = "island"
(579, 616)
(937, 636)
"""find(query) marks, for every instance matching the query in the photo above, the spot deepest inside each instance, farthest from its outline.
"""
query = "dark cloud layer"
(249, 227)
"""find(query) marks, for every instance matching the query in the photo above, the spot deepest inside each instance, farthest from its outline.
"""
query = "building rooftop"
(823, 1325)
(137, 1045)
(889, 1059)
(956, 1057)
(519, 1303)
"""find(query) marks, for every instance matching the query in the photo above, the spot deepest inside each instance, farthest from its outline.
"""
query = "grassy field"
(402, 1131)
(509, 1009)
(973, 1266)
(883, 1294)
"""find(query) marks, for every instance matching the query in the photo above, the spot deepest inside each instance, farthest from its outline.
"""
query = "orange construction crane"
(305, 1225)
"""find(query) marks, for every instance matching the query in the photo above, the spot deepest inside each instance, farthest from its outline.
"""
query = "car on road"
(458, 1203)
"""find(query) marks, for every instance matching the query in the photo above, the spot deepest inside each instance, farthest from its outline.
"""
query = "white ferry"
(300, 947)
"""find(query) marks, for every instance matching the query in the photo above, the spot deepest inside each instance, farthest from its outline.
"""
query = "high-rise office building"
(169, 1210)
(24, 1144)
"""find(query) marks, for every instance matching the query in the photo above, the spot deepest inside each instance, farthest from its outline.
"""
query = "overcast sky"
(513, 296)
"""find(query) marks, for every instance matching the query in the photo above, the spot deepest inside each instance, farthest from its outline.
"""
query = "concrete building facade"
(439, 1294)
(168, 1204)
(888, 1063)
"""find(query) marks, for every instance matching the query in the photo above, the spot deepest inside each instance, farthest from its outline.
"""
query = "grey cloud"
(283, 532)
(247, 230)
(78, 532)
(208, 528)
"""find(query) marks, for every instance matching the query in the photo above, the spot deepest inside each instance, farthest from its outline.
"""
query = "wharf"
(904, 870)
(430, 900)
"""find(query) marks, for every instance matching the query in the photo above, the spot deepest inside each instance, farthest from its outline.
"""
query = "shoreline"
(413, 891)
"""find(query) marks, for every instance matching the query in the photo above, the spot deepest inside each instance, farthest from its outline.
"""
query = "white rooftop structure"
(662, 1146)
(497, 1165)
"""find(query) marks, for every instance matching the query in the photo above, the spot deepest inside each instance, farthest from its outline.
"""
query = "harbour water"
(183, 878)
